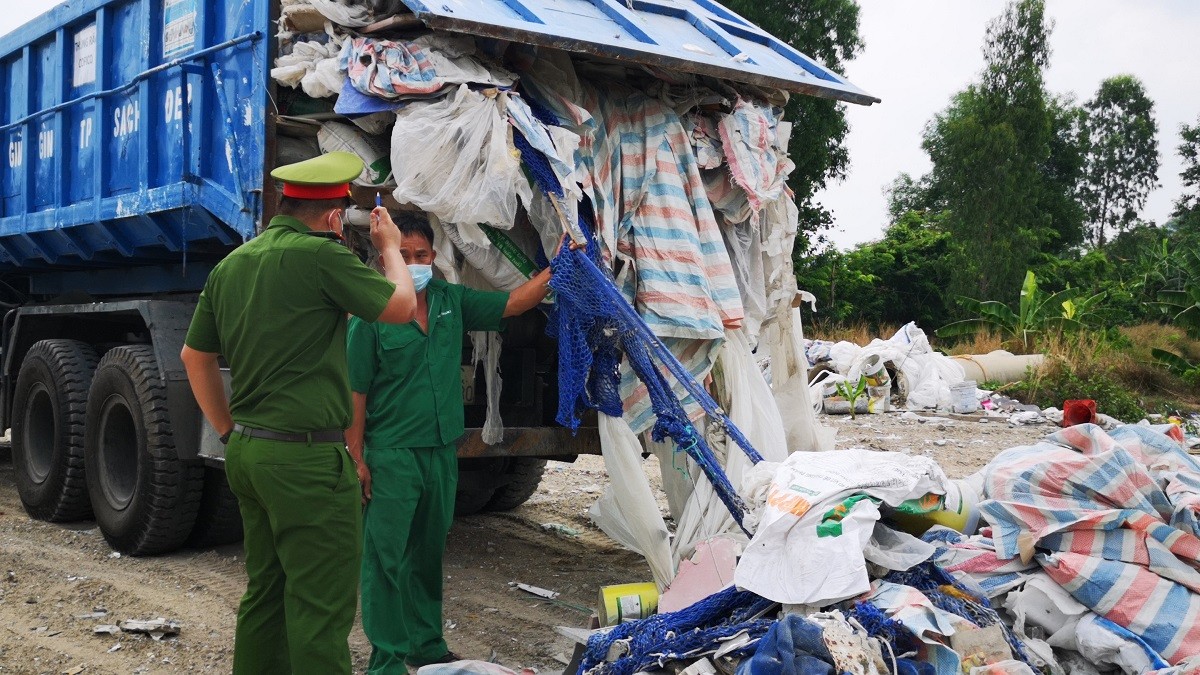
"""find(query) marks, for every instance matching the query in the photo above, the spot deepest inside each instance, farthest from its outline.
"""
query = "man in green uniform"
(276, 308)
(408, 413)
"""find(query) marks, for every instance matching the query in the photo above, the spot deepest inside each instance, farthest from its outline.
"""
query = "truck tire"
(470, 501)
(219, 521)
(144, 498)
(521, 479)
(48, 428)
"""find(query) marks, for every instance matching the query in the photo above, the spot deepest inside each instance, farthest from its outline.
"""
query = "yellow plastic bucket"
(627, 602)
(959, 513)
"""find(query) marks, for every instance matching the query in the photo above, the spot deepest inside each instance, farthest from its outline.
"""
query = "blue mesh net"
(689, 633)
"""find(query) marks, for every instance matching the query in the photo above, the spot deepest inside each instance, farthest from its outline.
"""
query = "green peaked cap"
(335, 168)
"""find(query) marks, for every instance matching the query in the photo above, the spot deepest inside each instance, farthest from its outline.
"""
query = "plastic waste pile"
(1079, 554)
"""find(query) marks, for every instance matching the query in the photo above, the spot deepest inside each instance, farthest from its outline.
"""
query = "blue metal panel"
(135, 134)
(696, 36)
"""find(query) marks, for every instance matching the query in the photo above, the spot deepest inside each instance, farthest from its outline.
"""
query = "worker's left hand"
(364, 479)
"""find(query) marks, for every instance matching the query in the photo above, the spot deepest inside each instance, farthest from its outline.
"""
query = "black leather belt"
(323, 436)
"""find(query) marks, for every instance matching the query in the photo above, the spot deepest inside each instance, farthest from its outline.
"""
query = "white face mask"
(421, 274)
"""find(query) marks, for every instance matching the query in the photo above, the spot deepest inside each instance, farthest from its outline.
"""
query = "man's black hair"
(307, 209)
(410, 223)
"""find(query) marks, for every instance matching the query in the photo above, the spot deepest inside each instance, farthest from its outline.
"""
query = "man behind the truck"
(276, 309)
(408, 414)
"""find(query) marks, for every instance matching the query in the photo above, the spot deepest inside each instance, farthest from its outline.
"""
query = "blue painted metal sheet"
(134, 133)
(696, 36)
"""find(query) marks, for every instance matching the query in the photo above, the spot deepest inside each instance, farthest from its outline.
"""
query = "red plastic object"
(1079, 412)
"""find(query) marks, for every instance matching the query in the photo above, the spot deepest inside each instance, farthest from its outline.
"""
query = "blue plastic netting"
(689, 633)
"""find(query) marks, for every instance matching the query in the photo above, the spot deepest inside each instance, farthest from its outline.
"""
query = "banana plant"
(1183, 303)
(1038, 312)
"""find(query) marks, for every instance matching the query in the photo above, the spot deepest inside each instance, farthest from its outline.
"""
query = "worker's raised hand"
(384, 233)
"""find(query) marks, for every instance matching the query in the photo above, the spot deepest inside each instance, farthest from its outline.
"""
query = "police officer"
(276, 309)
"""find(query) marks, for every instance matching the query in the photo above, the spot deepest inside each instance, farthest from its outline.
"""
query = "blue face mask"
(421, 274)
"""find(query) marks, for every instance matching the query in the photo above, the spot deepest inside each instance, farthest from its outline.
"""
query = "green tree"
(898, 279)
(1002, 157)
(826, 30)
(1122, 156)
(1187, 207)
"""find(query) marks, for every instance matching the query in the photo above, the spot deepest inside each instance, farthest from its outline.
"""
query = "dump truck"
(140, 135)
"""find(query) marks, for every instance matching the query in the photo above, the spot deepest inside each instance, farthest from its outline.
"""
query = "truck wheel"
(48, 428)
(520, 481)
(471, 500)
(218, 521)
(144, 498)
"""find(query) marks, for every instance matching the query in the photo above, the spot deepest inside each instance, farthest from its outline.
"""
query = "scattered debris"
(559, 528)
(115, 554)
(114, 648)
(156, 628)
(540, 592)
(106, 629)
(91, 615)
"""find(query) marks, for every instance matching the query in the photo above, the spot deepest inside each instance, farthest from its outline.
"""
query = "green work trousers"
(301, 508)
(404, 537)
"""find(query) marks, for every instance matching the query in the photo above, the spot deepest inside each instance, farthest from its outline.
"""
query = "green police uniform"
(276, 309)
(413, 384)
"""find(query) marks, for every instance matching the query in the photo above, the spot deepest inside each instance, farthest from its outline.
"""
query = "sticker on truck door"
(179, 27)
(85, 56)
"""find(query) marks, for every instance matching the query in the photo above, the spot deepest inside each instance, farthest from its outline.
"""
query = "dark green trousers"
(404, 537)
(302, 514)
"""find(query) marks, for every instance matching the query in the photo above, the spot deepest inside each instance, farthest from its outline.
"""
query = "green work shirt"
(413, 380)
(276, 309)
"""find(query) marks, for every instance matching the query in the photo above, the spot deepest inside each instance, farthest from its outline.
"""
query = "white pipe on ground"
(998, 366)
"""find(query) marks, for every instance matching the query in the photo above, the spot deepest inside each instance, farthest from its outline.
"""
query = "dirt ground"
(55, 577)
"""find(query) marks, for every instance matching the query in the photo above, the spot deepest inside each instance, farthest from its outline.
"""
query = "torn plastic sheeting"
(745, 253)
(434, 174)
(787, 561)
(396, 69)
(486, 350)
(312, 66)
(747, 399)
(784, 339)
(793, 646)
(757, 158)
(627, 511)
(469, 667)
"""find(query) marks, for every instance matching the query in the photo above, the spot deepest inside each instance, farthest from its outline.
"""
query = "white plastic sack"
(486, 259)
(339, 137)
(627, 511)
(788, 562)
(929, 374)
(454, 158)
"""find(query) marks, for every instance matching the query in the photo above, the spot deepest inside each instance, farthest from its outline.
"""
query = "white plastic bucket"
(963, 399)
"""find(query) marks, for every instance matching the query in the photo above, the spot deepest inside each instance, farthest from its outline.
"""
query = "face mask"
(421, 274)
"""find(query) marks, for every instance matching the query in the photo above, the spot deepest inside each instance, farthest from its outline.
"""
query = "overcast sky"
(920, 52)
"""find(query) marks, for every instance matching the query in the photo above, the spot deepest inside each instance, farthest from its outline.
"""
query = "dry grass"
(982, 342)
(859, 333)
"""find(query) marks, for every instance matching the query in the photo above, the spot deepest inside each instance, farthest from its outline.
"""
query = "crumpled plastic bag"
(339, 137)
(454, 158)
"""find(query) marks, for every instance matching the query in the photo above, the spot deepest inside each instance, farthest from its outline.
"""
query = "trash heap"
(1086, 560)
